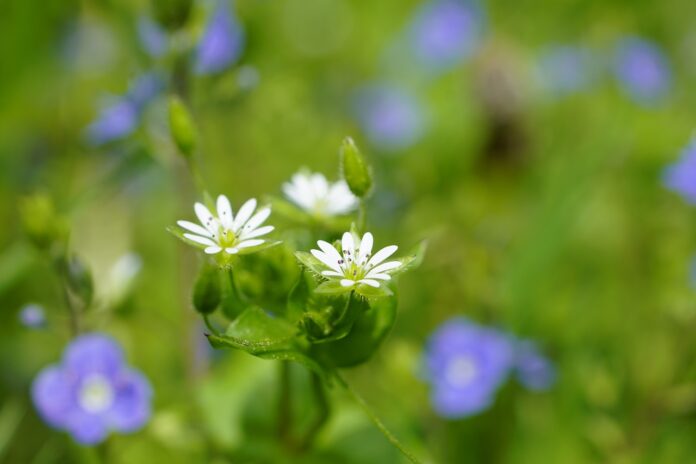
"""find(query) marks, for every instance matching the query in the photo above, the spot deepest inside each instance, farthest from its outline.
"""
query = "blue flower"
(152, 37)
(92, 391)
(532, 368)
(680, 177)
(643, 70)
(122, 117)
(567, 69)
(221, 44)
(466, 364)
(390, 117)
(32, 316)
(446, 32)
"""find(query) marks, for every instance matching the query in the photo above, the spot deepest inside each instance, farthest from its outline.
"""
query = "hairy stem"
(323, 413)
(376, 420)
(284, 409)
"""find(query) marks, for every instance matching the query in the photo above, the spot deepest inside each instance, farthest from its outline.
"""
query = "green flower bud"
(79, 279)
(181, 127)
(207, 292)
(44, 227)
(172, 14)
(354, 169)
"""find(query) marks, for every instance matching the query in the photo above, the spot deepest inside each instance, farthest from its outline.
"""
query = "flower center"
(461, 371)
(226, 238)
(96, 394)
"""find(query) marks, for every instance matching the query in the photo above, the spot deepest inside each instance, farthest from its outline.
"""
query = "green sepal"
(207, 290)
(373, 292)
(310, 262)
(412, 260)
(332, 287)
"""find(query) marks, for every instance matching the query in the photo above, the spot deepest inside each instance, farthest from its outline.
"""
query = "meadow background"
(545, 210)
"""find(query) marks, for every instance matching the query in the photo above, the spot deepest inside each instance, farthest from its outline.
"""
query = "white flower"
(356, 265)
(233, 234)
(314, 194)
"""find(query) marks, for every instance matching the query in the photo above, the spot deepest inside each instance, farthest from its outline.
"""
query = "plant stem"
(284, 410)
(322, 413)
(362, 216)
(378, 423)
(209, 325)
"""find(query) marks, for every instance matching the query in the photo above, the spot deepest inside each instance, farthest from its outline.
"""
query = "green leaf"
(310, 262)
(207, 291)
(298, 298)
(332, 287)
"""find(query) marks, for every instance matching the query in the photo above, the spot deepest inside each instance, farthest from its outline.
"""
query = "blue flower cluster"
(467, 363)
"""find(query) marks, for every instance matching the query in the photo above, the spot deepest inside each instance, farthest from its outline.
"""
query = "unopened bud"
(181, 127)
(355, 169)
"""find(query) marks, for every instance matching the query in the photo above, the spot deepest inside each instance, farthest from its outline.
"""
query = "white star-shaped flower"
(356, 265)
(225, 231)
(316, 195)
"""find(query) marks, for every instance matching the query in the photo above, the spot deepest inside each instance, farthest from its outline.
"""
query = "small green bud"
(354, 169)
(44, 227)
(79, 279)
(172, 14)
(207, 292)
(181, 127)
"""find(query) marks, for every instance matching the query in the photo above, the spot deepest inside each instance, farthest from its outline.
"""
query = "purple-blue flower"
(680, 177)
(534, 370)
(446, 32)
(466, 364)
(152, 37)
(221, 44)
(122, 117)
(567, 69)
(643, 70)
(32, 316)
(390, 117)
(92, 392)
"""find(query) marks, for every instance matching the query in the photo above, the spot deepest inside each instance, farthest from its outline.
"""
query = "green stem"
(362, 216)
(284, 410)
(322, 413)
(375, 420)
(209, 324)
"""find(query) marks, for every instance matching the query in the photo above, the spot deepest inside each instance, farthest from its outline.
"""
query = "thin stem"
(284, 409)
(362, 216)
(375, 420)
(209, 324)
(322, 413)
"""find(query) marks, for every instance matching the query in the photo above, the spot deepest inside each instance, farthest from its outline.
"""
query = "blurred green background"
(562, 232)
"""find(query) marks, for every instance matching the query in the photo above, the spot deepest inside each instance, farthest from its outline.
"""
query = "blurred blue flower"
(390, 117)
(446, 32)
(680, 177)
(32, 316)
(152, 37)
(122, 117)
(221, 44)
(466, 364)
(643, 70)
(533, 369)
(92, 392)
(567, 69)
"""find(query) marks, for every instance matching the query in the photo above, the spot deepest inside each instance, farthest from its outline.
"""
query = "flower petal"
(365, 248)
(250, 243)
(205, 216)
(347, 283)
(327, 260)
(257, 219)
(232, 250)
(53, 395)
(195, 228)
(202, 240)
(381, 255)
(131, 408)
(244, 214)
(331, 274)
(330, 251)
(257, 232)
(388, 266)
(211, 250)
(224, 210)
(370, 282)
(348, 246)
(378, 276)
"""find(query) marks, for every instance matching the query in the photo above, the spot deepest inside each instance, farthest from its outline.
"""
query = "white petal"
(370, 282)
(232, 250)
(250, 243)
(202, 240)
(257, 219)
(365, 248)
(382, 254)
(206, 217)
(328, 260)
(347, 283)
(224, 210)
(388, 266)
(330, 251)
(211, 250)
(378, 276)
(348, 245)
(331, 274)
(257, 232)
(195, 228)
(244, 214)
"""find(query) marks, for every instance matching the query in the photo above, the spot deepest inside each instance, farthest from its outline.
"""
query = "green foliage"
(172, 14)
(207, 290)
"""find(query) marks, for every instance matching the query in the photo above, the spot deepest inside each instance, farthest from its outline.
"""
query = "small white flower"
(356, 265)
(233, 234)
(316, 195)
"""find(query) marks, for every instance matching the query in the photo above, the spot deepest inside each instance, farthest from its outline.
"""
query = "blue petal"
(53, 395)
(94, 353)
(131, 409)
(221, 44)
